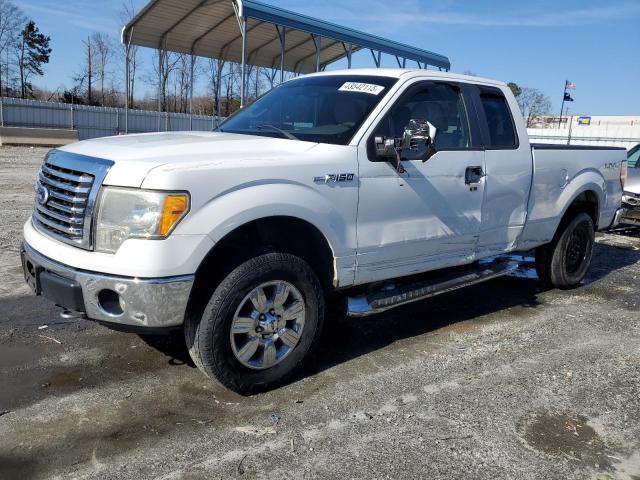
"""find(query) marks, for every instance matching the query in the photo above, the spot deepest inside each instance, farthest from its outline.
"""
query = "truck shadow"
(345, 339)
(456, 312)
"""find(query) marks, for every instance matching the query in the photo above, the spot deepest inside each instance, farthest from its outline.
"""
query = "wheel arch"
(279, 233)
(585, 200)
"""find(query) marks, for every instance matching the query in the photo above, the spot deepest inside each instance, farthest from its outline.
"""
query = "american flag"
(570, 85)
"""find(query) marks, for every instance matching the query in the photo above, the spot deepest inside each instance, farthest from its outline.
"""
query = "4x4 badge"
(335, 178)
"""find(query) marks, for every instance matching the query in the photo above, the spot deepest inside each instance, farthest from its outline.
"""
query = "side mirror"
(385, 147)
(418, 141)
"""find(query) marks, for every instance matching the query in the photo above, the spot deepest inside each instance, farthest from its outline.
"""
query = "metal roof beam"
(227, 45)
(279, 16)
(211, 30)
(304, 59)
(341, 56)
(184, 17)
(290, 49)
(265, 44)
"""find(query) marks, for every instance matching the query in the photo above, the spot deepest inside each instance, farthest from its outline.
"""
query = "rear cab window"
(498, 119)
(634, 158)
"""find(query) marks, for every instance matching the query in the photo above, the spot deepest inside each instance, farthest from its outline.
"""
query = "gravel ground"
(501, 380)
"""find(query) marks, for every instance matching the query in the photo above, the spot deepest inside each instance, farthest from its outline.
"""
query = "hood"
(633, 181)
(136, 155)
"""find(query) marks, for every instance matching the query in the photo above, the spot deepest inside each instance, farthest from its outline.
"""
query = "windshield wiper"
(284, 133)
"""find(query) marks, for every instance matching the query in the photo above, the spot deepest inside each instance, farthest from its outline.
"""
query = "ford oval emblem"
(42, 194)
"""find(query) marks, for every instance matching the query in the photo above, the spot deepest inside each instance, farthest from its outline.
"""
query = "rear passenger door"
(428, 217)
(508, 171)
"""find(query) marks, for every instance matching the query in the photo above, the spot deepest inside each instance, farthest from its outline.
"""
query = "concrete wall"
(46, 137)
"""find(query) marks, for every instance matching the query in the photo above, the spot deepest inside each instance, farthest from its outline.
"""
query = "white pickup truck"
(358, 189)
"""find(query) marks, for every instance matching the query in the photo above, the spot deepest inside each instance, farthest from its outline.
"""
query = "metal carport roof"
(213, 28)
(250, 32)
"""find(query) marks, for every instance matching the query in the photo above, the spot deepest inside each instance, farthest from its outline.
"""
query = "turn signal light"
(175, 207)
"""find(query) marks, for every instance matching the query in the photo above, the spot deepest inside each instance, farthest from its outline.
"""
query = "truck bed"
(561, 173)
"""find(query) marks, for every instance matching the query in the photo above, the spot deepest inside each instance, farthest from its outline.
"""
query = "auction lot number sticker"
(361, 88)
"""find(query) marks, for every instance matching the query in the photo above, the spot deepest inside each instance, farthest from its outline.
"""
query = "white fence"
(602, 131)
(92, 122)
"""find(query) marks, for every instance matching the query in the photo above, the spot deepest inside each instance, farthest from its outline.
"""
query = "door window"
(440, 104)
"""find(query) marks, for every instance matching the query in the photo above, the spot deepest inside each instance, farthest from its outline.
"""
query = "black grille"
(62, 210)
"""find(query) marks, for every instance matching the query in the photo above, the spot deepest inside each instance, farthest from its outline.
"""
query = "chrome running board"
(389, 296)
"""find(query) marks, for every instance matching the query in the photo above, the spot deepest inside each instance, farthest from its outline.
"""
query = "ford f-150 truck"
(359, 190)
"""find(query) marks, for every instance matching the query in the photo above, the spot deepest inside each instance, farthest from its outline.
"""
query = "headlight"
(129, 213)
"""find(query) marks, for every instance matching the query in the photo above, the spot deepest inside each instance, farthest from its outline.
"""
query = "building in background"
(615, 131)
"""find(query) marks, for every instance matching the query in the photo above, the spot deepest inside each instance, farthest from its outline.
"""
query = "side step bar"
(389, 296)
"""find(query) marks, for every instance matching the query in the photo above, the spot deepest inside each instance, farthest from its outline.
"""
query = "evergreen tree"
(33, 52)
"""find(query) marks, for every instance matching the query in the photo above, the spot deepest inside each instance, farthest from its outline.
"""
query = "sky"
(538, 43)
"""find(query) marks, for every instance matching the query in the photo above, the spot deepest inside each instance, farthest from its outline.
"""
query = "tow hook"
(68, 315)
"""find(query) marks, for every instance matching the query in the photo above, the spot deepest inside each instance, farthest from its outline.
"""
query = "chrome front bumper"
(617, 219)
(631, 209)
(145, 303)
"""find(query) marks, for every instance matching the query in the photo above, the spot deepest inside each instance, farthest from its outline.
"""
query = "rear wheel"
(260, 324)
(565, 261)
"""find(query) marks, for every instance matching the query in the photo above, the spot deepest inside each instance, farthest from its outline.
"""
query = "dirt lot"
(500, 380)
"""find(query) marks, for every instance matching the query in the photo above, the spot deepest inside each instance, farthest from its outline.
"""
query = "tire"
(222, 355)
(565, 261)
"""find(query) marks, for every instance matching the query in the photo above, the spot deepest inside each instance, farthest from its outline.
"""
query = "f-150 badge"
(335, 178)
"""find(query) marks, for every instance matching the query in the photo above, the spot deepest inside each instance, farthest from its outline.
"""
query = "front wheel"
(260, 324)
(564, 262)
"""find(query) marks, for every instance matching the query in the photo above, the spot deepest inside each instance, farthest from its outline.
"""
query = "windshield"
(322, 109)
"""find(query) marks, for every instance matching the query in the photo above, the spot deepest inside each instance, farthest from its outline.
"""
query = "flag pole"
(564, 97)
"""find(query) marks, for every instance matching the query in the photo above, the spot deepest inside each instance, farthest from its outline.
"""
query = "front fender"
(230, 210)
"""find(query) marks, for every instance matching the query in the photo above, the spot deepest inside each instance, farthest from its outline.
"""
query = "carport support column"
(243, 68)
(283, 43)
(191, 73)
(218, 93)
(317, 41)
(126, 90)
(160, 74)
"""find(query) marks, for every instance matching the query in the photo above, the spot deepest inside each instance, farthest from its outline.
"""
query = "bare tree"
(214, 71)
(270, 75)
(11, 19)
(127, 12)
(164, 64)
(232, 83)
(182, 82)
(103, 51)
(87, 73)
(533, 104)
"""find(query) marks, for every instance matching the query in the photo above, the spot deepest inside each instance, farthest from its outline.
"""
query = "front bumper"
(631, 209)
(141, 303)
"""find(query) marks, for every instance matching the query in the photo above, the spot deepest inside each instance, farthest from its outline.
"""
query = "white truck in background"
(359, 189)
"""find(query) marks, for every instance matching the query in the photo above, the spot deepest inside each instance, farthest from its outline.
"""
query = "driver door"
(428, 217)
